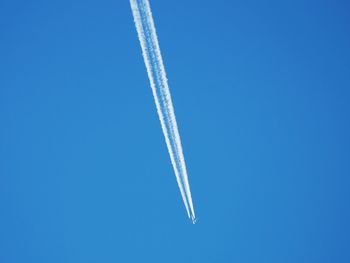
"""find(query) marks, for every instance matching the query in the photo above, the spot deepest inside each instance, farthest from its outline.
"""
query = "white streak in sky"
(156, 73)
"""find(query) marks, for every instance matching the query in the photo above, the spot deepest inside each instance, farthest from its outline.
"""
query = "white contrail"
(156, 73)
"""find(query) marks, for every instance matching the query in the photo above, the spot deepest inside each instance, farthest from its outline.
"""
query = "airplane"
(194, 220)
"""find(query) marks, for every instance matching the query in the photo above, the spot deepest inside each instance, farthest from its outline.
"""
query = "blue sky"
(261, 94)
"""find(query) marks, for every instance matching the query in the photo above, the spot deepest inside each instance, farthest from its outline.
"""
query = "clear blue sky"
(261, 91)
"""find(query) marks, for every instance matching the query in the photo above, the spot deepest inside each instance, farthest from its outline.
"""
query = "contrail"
(156, 73)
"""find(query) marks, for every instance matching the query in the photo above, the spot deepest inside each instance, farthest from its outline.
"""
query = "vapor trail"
(156, 73)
